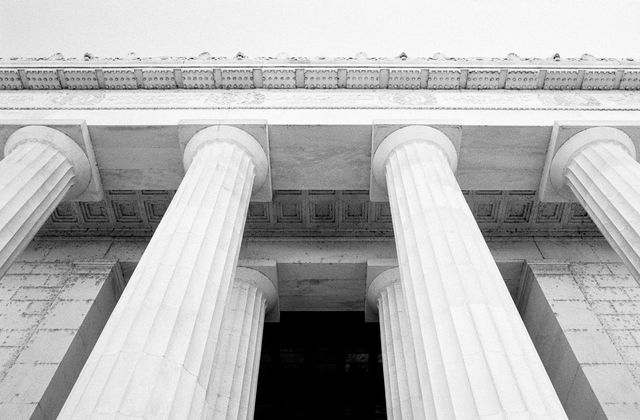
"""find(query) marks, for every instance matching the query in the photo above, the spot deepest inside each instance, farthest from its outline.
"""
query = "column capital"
(379, 284)
(407, 135)
(568, 140)
(234, 135)
(63, 144)
(579, 142)
(259, 281)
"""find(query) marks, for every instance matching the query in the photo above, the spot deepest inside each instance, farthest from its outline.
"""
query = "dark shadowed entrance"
(321, 365)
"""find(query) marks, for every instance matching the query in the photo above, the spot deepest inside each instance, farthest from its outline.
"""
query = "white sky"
(489, 28)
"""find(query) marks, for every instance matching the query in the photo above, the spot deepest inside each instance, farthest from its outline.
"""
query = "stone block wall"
(51, 314)
(584, 320)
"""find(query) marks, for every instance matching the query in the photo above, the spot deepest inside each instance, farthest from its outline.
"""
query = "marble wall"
(584, 319)
(51, 314)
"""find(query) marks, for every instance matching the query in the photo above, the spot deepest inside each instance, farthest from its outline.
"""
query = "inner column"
(234, 381)
(474, 356)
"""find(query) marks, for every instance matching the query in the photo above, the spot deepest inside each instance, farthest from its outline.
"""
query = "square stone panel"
(198, 79)
(518, 212)
(519, 206)
(549, 212)
(444, 79)
(561, 79)
(404, 78)
(119, 79)
(279, 78)
(289, 207)
(43, 79)
(363, 79)
(321, 78)
(126, 207)
(522, 79)
(381, 212)
(94, 212)
(485, 205)
(577, 214)
(322, 207)
(259, 213)
(10, 80)
(599, 80)
(65, 213)
(484, 79)
(355, 206)
(237, 79)
(81, 79)
(158, 79)
(630, 80)
(155, 209)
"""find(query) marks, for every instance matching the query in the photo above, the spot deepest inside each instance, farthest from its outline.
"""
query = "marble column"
(401, 384)
(41, 167)
(154, 358)
(474, 357)
(234, 382)
(598, 167)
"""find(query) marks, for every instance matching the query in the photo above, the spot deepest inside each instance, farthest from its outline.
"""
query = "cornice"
(283, 72)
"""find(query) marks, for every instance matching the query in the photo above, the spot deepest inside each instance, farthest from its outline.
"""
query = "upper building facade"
(156, 213)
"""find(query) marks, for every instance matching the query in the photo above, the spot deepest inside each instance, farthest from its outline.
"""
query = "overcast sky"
(531, 28)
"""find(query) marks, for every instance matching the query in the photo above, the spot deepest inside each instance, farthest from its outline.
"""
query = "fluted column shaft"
(40, 168)
(154, 357)
(234, 381)
(598, 165)
(475, 359)
(401, 383)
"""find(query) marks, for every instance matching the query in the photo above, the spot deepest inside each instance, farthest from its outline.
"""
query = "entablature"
(205, 72)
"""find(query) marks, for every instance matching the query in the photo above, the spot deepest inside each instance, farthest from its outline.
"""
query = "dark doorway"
(321, 365)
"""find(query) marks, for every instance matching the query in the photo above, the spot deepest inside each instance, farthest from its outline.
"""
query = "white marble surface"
(154, 358)
(598, 167)
(42, 166)
(474, 356)
(403, 394)
(233, 385)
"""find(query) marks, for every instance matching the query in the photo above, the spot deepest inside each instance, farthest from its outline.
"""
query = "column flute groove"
(474, 356)
(154, 358)
(597, 166)
(42, 167)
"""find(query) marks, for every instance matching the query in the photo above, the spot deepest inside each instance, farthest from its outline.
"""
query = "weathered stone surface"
(45, 337)
(596, 370)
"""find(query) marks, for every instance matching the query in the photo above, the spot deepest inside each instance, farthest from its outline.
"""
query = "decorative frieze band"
(320, 213)
(318, 77)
